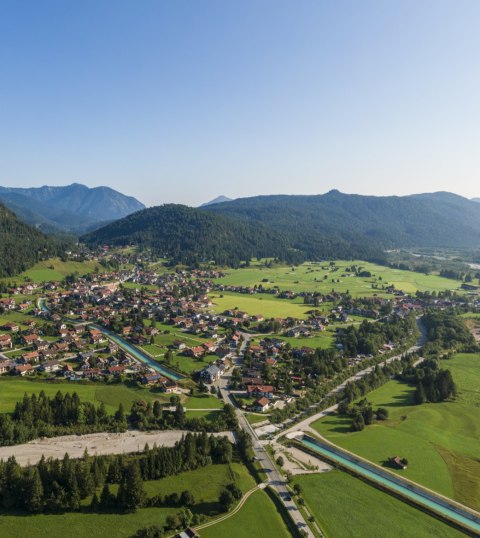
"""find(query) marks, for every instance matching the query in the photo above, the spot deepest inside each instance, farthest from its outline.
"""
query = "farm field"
(346, 507)
(263, 304)
(55, 269)
(440, 441)
(205, 484)
(258, 517)
(311, 277)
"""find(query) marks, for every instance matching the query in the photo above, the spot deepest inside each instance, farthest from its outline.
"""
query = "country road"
(274, 478)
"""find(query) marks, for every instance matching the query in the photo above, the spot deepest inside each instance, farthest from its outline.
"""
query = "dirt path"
(95, 443)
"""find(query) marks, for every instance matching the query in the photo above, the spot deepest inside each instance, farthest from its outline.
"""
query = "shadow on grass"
(338, 424)
(206, 508)
(402, 400)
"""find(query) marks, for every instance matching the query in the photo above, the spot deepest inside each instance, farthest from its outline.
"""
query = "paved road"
(305, 424)
(274, 478)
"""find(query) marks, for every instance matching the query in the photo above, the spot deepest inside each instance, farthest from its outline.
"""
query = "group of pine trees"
(432, 384)
(362, 413)
(368, 338)
(64, 414)
(147, 416)
(61, 485)
(446, 330)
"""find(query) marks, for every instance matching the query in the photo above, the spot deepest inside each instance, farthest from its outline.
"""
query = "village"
(167, 332)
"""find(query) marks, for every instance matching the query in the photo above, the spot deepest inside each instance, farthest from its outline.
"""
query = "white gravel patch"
(95, 443)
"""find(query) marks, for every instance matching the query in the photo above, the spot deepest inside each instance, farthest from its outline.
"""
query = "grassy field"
(262, 304)
(55, 269)
(203, 401)
(320, 277)
(255, 419)
(345, 507)
(323, 340)
(205, 484)
(258, 517)
(13, 389)
(439, 440)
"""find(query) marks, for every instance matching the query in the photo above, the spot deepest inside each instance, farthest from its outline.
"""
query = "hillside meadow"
(56, 269)
(440, 440)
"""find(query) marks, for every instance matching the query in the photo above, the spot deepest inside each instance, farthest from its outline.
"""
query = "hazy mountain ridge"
(218, 200)
(72, 208)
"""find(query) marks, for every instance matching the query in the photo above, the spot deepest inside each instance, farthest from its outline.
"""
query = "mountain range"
(295, 227)
(73, 208)
(437, 219)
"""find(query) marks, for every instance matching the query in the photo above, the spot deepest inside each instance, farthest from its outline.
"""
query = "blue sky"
(180, 101)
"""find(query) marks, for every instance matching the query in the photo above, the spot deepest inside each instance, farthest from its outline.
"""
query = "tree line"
(64, 414)
(54, 485)
(432, 384)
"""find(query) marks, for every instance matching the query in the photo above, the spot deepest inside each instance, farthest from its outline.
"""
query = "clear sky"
(180, 101)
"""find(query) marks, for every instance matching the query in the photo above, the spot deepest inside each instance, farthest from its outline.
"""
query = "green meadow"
(258, 517)
(439, 440)
(12, 390)
(206, 485)
(268, 306)
(346, 507)
(317, 276)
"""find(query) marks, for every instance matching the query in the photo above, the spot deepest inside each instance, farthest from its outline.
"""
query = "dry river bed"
(95, 443)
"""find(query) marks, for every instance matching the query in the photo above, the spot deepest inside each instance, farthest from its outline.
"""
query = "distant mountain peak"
(69, 208)
(218, 200)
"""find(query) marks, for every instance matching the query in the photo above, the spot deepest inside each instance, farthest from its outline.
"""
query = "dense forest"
(438, 219)
(189, 235)
(369, 337)
(447, 331)
(22, 246)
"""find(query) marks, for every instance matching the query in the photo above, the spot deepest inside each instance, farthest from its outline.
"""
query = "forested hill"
(20, 245)
(189, 235)
(438, 219)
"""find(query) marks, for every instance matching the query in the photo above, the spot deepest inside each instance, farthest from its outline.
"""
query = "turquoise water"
(135, 351)
(139, 354)
(396, 484)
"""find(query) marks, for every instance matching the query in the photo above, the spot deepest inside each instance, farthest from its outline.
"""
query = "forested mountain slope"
(21, 246)
(438, 219)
